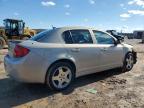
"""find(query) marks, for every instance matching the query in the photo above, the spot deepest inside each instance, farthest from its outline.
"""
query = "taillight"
(20, 51)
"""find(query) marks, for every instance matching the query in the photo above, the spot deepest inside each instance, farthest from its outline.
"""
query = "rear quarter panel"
(46, 54)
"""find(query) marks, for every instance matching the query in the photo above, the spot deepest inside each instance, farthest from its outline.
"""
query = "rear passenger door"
(79, 44)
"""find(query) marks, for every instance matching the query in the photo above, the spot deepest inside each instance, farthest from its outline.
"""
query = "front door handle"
(75, 50)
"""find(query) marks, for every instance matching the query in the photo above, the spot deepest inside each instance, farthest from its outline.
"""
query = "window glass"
(67, 37)
(103, 38)
(81, 36)
(38, 37)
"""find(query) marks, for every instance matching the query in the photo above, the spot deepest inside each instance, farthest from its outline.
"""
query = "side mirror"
(116, 42)
(120, 39)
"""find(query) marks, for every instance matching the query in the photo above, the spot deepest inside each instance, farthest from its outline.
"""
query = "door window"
(81, 36)
(103, 38)
(77, 37)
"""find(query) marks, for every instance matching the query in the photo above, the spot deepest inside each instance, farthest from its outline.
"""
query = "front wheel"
(128, 62)
(60, 76)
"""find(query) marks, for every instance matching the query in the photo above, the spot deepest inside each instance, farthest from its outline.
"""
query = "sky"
(121, 15)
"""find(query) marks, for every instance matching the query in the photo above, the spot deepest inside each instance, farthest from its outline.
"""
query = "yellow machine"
(14, 30)
(29, 32)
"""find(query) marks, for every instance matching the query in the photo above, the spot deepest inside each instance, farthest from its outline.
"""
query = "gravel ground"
(114, 89)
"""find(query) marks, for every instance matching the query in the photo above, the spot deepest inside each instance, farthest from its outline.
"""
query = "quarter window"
(103, 38)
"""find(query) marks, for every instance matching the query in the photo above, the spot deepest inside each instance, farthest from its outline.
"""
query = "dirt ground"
(114, 89)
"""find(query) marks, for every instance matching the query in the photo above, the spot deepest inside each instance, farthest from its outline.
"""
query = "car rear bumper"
(23, 71)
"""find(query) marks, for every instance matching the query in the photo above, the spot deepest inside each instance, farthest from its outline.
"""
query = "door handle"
(75, 50)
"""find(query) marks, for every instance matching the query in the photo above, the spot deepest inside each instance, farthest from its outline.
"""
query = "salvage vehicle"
(116, 35)
(58, 56)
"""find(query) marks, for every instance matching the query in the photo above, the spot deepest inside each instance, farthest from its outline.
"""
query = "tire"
(128, 62)
(60, 76)
(2, 42)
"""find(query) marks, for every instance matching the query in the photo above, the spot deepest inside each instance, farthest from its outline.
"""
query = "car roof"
(111, 30)
(73, 27)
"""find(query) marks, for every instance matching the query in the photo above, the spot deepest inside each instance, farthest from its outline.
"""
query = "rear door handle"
(75, 50)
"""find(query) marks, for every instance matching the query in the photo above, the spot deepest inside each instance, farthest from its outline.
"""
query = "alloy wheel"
(129, 61)
(61, 77)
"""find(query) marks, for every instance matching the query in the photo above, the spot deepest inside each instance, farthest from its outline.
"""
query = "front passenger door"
(111, 54)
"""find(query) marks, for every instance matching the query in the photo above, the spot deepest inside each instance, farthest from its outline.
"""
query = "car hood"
(127, 45)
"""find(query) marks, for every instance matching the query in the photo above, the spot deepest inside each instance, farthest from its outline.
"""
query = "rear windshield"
(40, 36)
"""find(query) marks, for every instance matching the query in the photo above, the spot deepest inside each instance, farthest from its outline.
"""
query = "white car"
(56, 57)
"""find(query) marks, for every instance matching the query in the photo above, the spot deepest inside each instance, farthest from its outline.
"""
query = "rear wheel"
(60, 76)
(128, 62)
(2, 42)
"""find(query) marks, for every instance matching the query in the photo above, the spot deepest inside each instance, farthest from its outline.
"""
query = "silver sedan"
(56, 57)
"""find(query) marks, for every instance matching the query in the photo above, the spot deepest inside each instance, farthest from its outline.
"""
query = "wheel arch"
(71, 62)
(124, 62)
(134, 54)
(126, 55)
